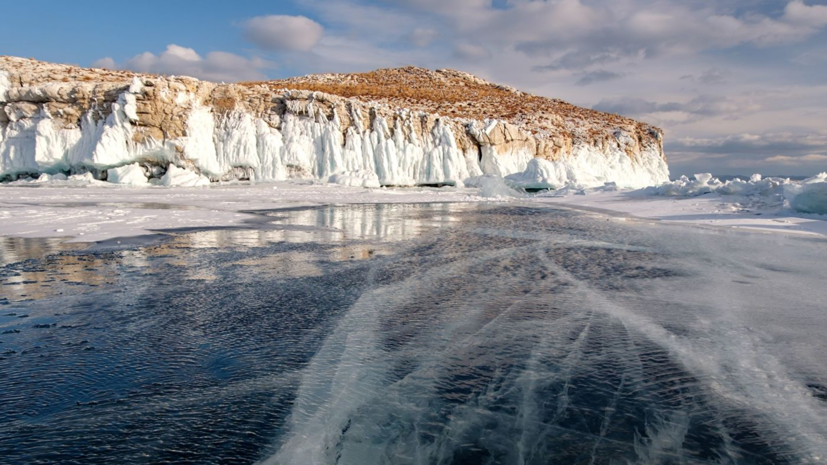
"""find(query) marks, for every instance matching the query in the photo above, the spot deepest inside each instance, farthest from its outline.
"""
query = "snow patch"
(355, 179)
(5, 85)
(494, 187)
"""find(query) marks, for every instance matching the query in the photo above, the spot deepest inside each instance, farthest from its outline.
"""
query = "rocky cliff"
(407, 126)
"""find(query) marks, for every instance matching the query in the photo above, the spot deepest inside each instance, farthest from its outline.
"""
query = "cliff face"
(407, 126)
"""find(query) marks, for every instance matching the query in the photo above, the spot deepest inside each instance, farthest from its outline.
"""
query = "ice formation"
(807, 196)
(216, 132)
(182, 177)
(313, 147)
(132, 175)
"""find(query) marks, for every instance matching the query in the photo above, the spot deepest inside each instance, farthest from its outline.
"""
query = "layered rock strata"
(399, 127)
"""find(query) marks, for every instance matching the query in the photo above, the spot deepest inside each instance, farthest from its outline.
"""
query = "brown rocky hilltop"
(103, 118)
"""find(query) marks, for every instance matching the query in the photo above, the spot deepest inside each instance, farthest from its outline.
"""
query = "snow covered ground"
(84, 210)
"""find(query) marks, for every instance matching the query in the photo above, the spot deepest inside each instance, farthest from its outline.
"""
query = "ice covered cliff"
(400, 127)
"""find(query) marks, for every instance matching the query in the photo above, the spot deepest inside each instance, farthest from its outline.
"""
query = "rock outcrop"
(407, 126)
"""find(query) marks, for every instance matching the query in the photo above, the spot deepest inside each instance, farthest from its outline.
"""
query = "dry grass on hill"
(456, 94)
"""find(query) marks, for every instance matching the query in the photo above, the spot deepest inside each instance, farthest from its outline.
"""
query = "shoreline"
(94, 214)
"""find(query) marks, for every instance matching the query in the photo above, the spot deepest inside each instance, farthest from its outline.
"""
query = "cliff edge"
(401, 127)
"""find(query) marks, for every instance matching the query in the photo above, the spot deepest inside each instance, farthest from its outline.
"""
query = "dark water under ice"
(418, 334)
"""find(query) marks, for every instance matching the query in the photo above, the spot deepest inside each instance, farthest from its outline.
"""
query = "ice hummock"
(182, 177)
(132, 175)
(807, 196)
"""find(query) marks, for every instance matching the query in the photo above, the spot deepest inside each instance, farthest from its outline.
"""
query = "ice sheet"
(31, 211)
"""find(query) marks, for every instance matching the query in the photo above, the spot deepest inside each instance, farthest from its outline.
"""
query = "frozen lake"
(417, 334)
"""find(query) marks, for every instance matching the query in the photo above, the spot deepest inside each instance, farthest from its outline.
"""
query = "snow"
(355, 179)
(5, 85)
(35, 208)
(494, 187)
(711, 210)
(128, 174)
(182, 177)
(87, 211)
(808, 196)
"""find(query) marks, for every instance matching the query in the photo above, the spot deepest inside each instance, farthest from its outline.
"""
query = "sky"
(739, 86)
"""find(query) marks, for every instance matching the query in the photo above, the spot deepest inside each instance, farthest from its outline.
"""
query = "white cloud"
(672, 113)
(105, 63)
(283, 33)
(177, 60)
(788, 160)
(814, 16)
(709, 77)
(422, 37)
(802, 143)
(600, 75)
(471, 52)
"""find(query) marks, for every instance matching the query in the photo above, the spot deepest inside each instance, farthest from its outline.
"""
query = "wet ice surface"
(441, 333)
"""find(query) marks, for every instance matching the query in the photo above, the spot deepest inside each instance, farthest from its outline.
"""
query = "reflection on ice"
(384, 222)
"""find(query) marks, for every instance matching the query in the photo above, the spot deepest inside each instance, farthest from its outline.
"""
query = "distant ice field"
(416, 333)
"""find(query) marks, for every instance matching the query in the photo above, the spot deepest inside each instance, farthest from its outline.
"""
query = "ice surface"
(625, 343)
(711, 210)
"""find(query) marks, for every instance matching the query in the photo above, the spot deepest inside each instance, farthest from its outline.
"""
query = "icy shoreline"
(84, 210)
(104, 123)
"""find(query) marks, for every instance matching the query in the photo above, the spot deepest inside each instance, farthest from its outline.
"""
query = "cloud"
(773, 143)
(601, 75)
(811, 58)
(700, 107)
(575, 60)
(283, 33)
(215, 66)
(792, 152)
(796, 12)
(105, 63)
(788, 160)
(471, 52)
(709, 77)
(577, 34)
(422, 37)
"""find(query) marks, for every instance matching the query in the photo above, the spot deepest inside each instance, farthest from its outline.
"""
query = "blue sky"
(739, 86)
